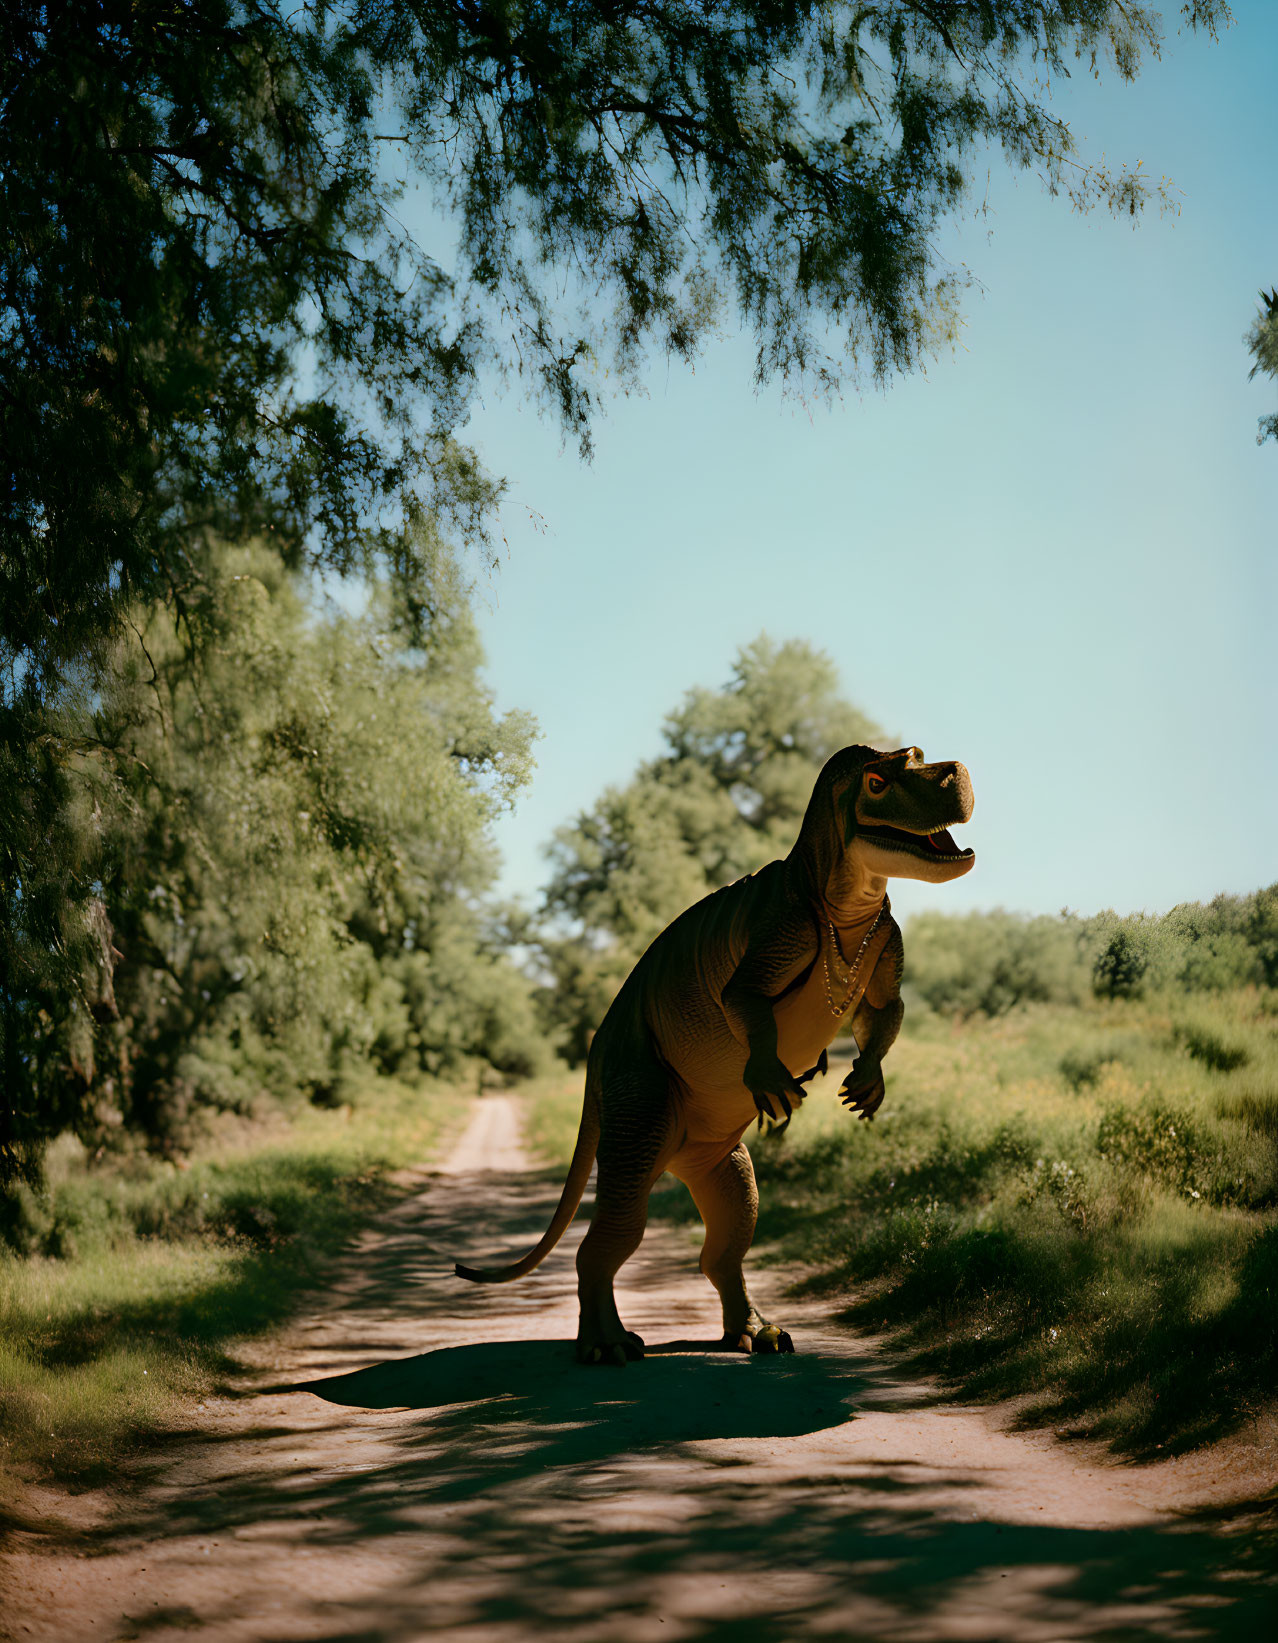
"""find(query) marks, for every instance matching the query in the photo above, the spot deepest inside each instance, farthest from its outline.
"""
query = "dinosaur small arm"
(717, 1019)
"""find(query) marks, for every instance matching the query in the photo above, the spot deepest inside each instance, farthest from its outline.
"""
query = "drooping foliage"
(213, 314)
(1262, 340)
(213, 319)
(284, 830)
(727, 796)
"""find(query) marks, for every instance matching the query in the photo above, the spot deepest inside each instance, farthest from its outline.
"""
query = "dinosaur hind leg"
(728, 1201)
(636, 1120)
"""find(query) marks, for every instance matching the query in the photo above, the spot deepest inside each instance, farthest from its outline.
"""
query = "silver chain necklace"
(853, 970)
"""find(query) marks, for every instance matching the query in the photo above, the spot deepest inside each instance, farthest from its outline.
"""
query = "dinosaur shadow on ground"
(593, 1511)
(521, 1495)
(682, 1392)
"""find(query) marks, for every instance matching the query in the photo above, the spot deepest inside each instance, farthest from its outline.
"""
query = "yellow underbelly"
(715, 1101)
(709, 1061)
(806, 1022)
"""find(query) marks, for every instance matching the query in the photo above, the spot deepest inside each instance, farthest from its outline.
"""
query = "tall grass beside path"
(1075, 1206)
(125, 1286)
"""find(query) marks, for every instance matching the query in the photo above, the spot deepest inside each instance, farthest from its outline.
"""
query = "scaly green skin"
(715, 1021)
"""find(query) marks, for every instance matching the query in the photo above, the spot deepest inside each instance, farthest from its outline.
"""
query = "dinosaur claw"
(770, 1339)
(618, 1353)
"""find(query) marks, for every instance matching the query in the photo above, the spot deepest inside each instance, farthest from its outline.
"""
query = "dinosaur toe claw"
(771, 1340)
(610, 1352)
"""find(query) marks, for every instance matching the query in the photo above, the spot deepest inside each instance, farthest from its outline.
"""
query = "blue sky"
(1050, 557)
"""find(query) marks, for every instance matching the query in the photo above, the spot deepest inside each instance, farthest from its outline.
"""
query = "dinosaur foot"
(765, 1341)
(620, 1353)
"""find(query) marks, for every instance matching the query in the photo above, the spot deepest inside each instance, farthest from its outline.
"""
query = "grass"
(1074, 1206)
(131, 1281)
(552, 1114)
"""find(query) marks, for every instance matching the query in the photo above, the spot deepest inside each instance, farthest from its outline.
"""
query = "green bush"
(1118, 970)
(1209, 1048)
(988, 963)
(1082, 1068)
(1162, 1143)
(126, 1282)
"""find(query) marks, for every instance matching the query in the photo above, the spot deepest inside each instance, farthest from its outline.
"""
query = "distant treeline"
(268, 871)
(985, 963)
(727, 793)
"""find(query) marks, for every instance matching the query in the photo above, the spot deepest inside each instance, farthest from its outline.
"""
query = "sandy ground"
(449, 1472)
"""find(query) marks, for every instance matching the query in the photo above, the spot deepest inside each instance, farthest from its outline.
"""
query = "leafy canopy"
(214, 325)
(211, 313)
(727, 796)
(287, 836)
(1262, 339)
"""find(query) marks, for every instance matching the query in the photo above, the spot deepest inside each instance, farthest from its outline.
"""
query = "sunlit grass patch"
(137, 1277)
(552, 1115)
(1073, 1205)
(1104, 1247)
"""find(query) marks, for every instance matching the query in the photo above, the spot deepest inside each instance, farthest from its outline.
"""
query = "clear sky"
(1051, 557)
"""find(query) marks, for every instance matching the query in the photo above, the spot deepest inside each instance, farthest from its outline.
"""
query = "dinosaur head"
(876, 815)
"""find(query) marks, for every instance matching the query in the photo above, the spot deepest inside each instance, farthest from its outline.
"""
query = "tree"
(213, 324)
(212, 314)
(1262, 340)
(962, 963)
(288, 847)
(1119, 968)
(727, 796)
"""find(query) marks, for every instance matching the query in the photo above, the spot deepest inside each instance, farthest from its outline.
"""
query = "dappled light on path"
(424, 1458)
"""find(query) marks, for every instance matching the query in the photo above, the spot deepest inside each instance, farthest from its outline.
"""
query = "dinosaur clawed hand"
(863, 1090)
(772, 1085)
(618, 1353)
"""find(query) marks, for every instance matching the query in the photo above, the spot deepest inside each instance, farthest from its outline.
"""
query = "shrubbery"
(126, 1281)
(985, 963)
(1070, 1203)
(280, 815)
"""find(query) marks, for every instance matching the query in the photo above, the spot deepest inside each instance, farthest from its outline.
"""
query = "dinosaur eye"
(875, 784)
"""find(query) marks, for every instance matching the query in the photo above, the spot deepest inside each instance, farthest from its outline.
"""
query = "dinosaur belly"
(710, 1062)
(687, 1019)
(806, 1023)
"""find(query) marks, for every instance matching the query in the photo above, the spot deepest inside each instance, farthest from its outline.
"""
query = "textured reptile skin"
(727, 1015)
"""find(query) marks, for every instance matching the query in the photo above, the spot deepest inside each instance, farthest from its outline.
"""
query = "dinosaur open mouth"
(938, 845)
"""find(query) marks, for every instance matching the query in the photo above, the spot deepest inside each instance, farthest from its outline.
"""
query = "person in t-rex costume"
(716, 1020)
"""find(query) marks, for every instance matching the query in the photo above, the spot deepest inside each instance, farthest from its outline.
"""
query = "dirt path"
(452, 1474)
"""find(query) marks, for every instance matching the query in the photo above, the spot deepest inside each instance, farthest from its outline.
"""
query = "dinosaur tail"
(578, 1174)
